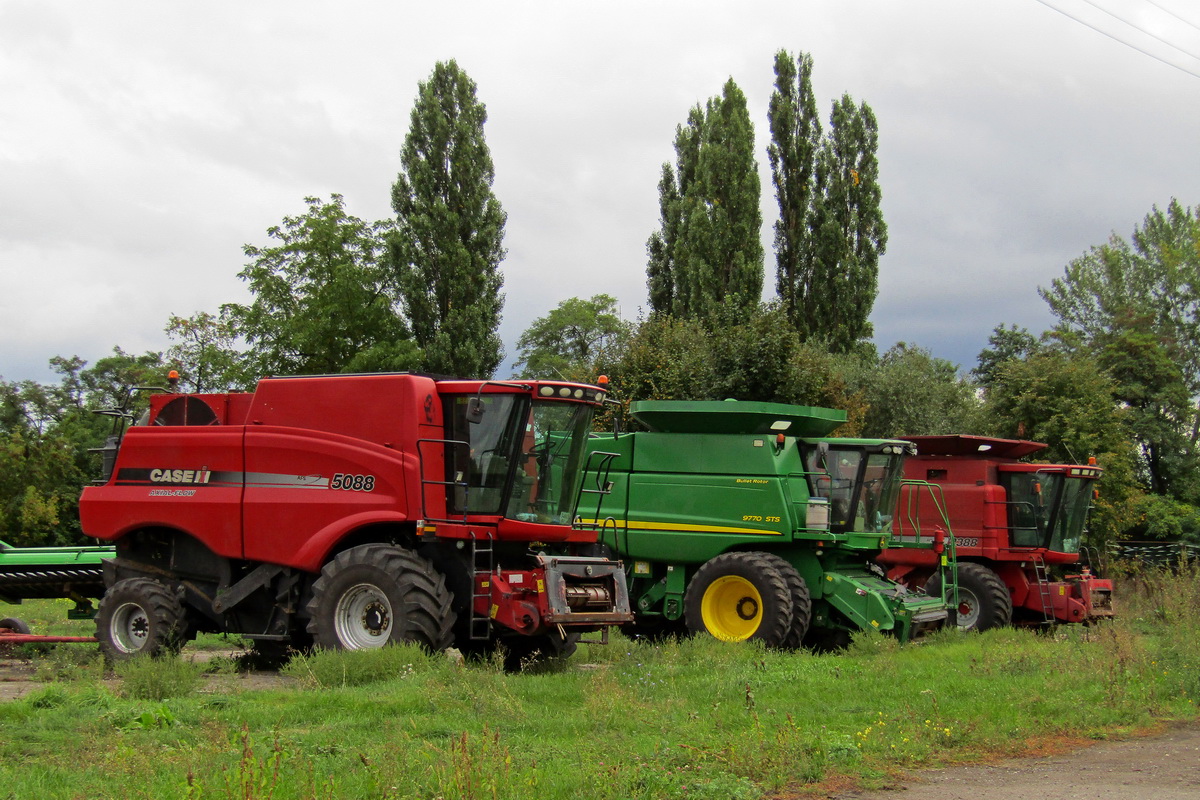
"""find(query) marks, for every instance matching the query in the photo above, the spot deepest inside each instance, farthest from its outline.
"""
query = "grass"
(695, 719)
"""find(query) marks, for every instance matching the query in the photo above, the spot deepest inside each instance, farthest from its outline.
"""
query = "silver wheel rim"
(968, 609)
(130, 627)
(363, 617)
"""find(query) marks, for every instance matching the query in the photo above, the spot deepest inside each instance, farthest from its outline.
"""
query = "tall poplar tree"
(795, 144)
(708, 252)
(831, 232)
(450, 229)
(849, 235)
(675, 181)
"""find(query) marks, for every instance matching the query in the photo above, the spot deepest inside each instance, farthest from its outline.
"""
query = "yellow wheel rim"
(731, 608)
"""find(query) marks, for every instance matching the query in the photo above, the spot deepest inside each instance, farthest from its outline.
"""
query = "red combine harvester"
(349, 511)
(1015, 526)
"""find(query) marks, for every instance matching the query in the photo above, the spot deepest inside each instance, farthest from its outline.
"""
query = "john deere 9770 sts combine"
(738, 519)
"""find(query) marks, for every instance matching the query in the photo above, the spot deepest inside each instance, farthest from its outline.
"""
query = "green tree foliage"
(324, 301)
(1135, 308)
(1004, 344)
(1066, 401)
(206, 353)
(909, 392)
(793, 151)
(708, 252)
(45, 433)
(567, 342)
(447, 249)
(831, 231)
(1163, 518)
(734, 356)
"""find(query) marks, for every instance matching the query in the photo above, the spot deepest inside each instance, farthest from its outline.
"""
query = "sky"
(143, 144)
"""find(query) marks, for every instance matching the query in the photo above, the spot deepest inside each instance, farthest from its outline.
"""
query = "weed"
(50, 696)
(870, 644)
(328, 669)
(69, 664)
(160, 717)
(157, 678)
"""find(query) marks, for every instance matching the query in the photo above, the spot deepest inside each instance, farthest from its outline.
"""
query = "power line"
(1119, 40)
(1166, 10)
(1140, 29)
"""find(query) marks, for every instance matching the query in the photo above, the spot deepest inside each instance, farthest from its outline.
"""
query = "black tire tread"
(426, 616)
(161, 606)
(760, 570)
(801, 601)
(995, 603)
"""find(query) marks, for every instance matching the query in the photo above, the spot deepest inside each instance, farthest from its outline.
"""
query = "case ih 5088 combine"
(738, 519)
(1015, 524)
(353, 511)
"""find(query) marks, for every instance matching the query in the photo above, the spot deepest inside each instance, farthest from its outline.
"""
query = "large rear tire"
(139, 616)
(983, 599)
(740, 596)
(377, 594)
(14, 625)
(801, 601)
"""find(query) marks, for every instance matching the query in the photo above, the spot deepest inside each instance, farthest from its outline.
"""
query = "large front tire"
(139, 616)
(983, 599)
(377, 594)
(740, 596)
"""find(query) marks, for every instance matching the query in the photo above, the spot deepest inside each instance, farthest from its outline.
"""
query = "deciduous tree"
(1134, 307)
(566, 343)
(831, 231)
(447, 249)
(793, 151)
(324, 300)
(708, 252)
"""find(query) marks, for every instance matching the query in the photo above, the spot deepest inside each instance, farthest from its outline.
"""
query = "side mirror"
(475, 410)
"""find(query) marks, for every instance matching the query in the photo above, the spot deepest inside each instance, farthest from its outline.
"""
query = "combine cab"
(1018, 532)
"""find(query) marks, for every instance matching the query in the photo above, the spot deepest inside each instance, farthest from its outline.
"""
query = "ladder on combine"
(1042, 573)
(482, 564)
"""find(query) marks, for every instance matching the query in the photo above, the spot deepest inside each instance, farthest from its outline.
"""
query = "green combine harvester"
(738, 518)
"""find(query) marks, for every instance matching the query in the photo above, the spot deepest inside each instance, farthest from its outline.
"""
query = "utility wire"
(1166, 10)
(1119, 40)
(1141, 30)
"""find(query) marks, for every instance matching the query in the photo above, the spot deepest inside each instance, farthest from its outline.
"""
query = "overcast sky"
(143, 144)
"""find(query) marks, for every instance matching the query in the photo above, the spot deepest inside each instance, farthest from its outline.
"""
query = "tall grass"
(694, 718)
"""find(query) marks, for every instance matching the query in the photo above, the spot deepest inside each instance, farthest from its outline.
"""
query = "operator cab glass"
(1046, 509)
(520, 460)
(861, 483)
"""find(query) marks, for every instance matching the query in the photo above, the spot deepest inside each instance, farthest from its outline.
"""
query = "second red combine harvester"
(1018, 531)
(351, 511)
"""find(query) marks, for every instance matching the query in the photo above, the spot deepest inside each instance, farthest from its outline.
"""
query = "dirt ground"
(1165, 766)
(18, 675)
